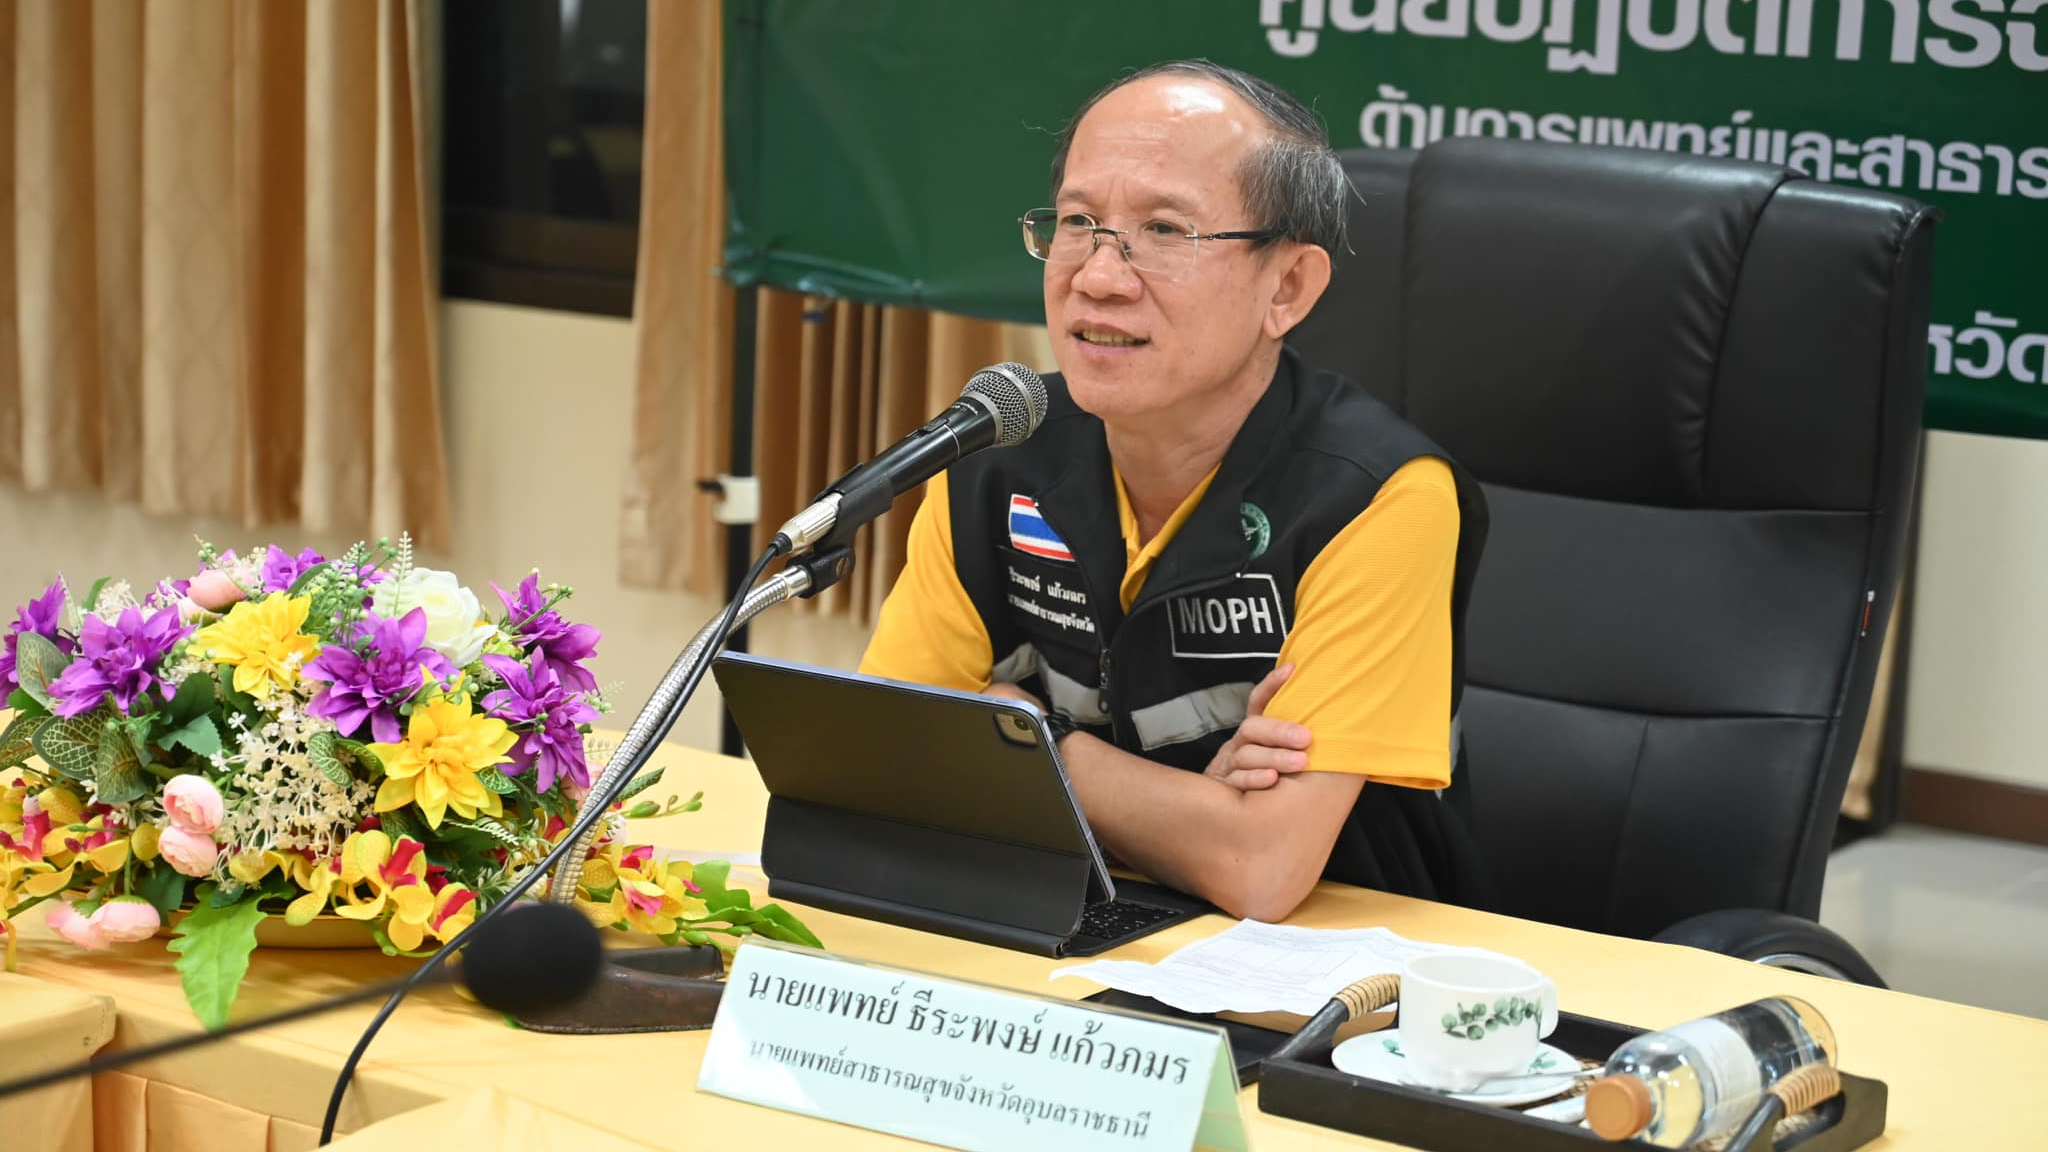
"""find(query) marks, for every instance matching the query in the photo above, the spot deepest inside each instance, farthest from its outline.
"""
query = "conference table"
(446, 1070)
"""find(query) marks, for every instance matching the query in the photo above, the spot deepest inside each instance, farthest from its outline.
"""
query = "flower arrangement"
(286, 735)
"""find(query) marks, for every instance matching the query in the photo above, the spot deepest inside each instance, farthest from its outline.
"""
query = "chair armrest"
(1779, 939)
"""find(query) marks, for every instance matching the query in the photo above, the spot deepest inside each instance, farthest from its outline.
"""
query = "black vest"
(1040, 552)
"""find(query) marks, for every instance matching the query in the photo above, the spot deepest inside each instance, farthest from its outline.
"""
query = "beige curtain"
(834, 382)
(221, 300)
(1856, 800)
(838, 382)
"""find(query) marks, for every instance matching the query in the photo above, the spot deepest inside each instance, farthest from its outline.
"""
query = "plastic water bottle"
(1701, 1079)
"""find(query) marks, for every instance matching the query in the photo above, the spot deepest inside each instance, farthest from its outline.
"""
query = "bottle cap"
(1618, 1107)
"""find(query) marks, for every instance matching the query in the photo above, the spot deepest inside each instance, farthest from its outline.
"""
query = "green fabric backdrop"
(882, 149)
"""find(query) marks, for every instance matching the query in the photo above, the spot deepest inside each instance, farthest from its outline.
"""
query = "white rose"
(455, 620)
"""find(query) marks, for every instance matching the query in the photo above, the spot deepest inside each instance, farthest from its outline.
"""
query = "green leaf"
(135, 729)
(307, 577)
(24, 704)
(491, 828)
(201, 735)
(343, 761)
(71, 745)
(195, 698)
(497, 782)
(711, 876)
(92, 598)
(213, 946)
(399, 823)
(118, 777)
(37, 662)
(780, 925)
(641, 783)
(18, 743)
(162, 886)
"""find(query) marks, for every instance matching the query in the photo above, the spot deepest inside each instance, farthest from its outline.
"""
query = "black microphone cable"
(597, 808)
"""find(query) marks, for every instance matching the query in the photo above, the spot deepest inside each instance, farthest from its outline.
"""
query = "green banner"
(883, 149)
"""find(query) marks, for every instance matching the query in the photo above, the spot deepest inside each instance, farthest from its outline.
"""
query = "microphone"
(1001, 406)
(533, 957)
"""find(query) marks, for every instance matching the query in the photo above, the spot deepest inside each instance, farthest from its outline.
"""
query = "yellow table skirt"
(1960, 1077)
(44, 1026)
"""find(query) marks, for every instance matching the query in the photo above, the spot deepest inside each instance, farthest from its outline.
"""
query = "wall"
(537, 409)
(537, 405)
(1977, 703)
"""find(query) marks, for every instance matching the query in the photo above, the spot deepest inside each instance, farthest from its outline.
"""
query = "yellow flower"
(442, 915)
(262, 640)
(143, 842)
(454, 911)
(62, 805)
(251, 865)
(395, 876)
(436, 765)
(16, 872)
(652, 896)
(316, 877)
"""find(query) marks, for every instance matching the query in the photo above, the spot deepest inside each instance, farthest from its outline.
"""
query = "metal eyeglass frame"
(1097, 230)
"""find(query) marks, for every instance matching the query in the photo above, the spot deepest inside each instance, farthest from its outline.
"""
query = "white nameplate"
(964, 1065)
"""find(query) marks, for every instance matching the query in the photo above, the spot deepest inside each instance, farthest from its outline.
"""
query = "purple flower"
(281, 569)
(543, 633)
(122, 658)
(371, 687)
(39, 616)
(545, 713)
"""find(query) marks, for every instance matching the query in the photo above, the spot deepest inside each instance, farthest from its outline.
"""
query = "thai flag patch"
(1030, 533)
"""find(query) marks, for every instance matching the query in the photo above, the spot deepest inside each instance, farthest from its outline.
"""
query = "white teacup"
(1466, 1019)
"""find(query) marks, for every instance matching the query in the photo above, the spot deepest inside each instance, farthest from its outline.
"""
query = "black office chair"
(1691, 388)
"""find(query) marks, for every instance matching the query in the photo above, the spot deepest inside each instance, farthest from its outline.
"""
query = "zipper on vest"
(1102, 685)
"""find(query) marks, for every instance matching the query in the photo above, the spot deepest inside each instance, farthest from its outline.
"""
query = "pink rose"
(191, 853)
(214, 591)
(125, 919)
(194, 804)
(65, 921)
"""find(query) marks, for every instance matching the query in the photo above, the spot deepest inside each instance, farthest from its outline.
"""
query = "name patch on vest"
(1045, 596)
(1243, 618)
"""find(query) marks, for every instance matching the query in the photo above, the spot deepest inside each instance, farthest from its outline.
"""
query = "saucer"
(1378, 1056)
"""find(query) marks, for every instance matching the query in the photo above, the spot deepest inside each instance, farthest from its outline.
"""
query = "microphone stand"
(805, 575)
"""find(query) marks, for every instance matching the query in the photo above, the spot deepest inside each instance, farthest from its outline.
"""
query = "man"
(1234, 582)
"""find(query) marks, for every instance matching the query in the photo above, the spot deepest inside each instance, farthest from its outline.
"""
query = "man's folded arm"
(1371, 650)
(1256, 855)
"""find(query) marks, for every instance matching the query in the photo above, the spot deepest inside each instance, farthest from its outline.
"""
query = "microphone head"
(532, 957)
(1015, 395)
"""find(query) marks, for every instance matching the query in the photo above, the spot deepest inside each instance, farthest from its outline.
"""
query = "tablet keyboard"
(1120, 918)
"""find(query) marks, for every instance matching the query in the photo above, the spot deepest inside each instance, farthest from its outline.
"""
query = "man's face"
(1136, 344)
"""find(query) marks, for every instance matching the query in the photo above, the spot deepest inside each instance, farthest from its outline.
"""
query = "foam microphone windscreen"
(532, 957)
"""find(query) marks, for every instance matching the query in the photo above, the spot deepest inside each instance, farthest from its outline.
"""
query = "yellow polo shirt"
(1371, 640)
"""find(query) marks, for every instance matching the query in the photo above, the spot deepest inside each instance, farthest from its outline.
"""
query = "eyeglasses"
(1160, 247)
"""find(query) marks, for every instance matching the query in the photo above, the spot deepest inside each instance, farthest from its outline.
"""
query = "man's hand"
(1265, 748)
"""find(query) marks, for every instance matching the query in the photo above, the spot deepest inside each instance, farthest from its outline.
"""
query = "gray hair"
(1292, 182)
